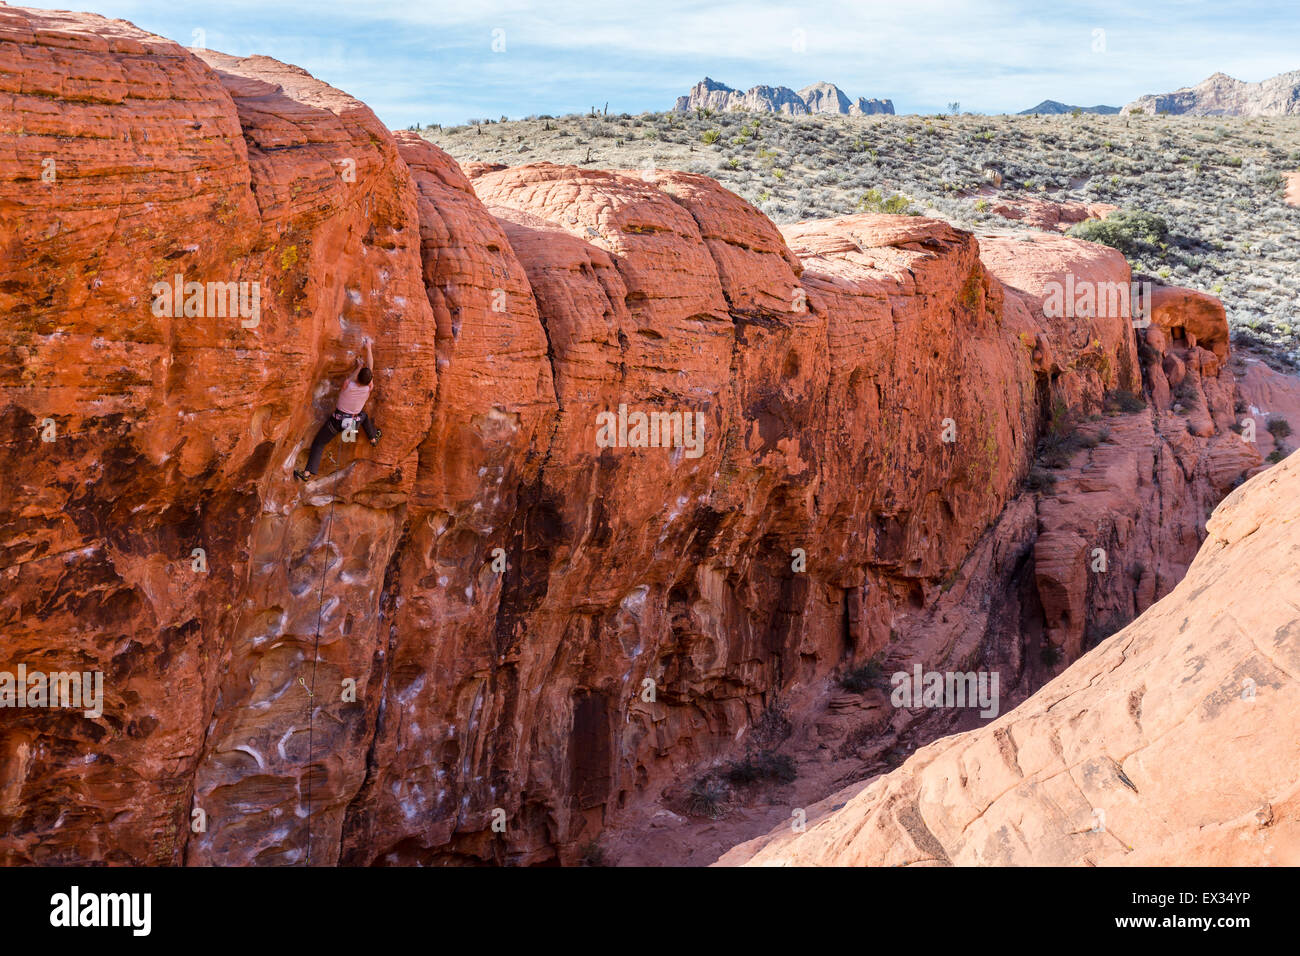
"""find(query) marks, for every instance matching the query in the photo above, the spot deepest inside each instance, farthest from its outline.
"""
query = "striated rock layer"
(1223, 95)
(498, 633)
(815, 98)
(1172, 743)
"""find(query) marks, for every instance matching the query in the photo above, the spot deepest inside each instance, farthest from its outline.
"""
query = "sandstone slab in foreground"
(1172, 743)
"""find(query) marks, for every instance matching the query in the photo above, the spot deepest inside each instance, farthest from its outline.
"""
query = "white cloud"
(432, 61)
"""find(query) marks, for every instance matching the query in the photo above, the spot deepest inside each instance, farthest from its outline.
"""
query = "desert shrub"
(711, 136)
(865, 676)
(1131, 232)
(874, 201)
(772, 727)
(709, 797)
(861, 736)
(591, 854)
(1055, 450)
(1279, 427)
(1146, 354)
(1058, 444)
(1122, 400)
(1228, 227)
(765, 765)
(1040, 479)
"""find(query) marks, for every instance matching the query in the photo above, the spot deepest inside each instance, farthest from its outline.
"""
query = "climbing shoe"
(303, 475)
(378, 435)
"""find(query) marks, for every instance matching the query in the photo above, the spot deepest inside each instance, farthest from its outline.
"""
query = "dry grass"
(1218, 182)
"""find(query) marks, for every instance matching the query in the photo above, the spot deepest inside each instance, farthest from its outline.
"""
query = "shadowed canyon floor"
(1172, 743)
(497, 638)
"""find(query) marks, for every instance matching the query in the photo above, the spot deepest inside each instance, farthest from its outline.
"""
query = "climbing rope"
(315, 655)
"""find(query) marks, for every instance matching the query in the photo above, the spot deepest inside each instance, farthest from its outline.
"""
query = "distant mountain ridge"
(817, 98)
(1223, 95)
(1053, 108)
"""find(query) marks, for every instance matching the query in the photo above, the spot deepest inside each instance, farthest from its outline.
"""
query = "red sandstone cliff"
(1172, 743)
(497, 586)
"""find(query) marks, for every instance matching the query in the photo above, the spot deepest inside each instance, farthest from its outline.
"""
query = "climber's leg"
(371, 431)
(327, 431)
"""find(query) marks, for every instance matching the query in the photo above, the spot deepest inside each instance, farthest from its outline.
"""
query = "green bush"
(874, 201)
(1279, 427)
(1131, 232)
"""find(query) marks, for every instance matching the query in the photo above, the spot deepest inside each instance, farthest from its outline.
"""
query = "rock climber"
(347, 414)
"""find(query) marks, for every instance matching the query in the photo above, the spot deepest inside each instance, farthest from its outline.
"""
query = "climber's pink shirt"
(352, 396)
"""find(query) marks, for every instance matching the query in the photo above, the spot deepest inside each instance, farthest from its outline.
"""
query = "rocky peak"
(817, 98)
(824, 98)
(1223, 95)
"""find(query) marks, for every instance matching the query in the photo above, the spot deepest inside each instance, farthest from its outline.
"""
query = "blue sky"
(434, 62)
